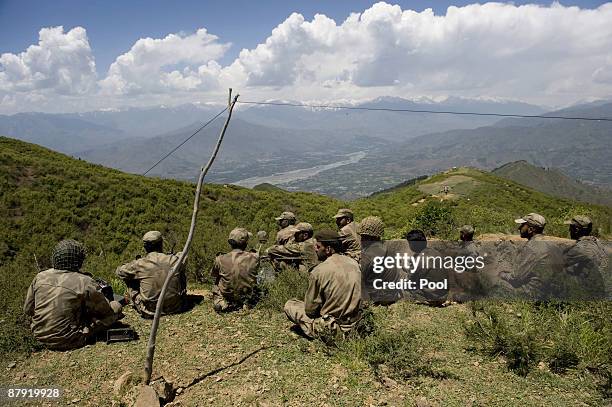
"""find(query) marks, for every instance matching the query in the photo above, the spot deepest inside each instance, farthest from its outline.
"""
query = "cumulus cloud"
(551, 55)
(495, 49)
(174, 63)
(61, 63)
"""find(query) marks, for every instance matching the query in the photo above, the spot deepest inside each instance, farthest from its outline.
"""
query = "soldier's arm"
(215, 270)
(313, 300)
(126, 271)
(98, 308)
(28, 306)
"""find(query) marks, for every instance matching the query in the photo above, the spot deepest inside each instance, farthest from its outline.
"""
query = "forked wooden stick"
(148, 368)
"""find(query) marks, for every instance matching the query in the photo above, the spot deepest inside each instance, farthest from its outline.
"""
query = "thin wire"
(606, 119)
(184, 141)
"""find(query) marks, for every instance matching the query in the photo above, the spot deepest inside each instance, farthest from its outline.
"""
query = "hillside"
(250, 357)
(580, 149)
(553, 182)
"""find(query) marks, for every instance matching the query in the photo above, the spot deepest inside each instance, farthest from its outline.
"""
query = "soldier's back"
(151, 272)
(58, 296)
(351, 241)
(237, 272)
(340, 280)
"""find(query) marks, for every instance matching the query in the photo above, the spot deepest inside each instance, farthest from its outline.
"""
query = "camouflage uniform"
(332, 303)
(587, 263)
(145, 278)
(371, 230)
(298, 254)
(65, 305)
(235, 275)
(286, 234)
(540, 264)
(351, 242)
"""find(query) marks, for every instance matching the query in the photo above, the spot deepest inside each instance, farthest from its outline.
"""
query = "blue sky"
(67, 56)
(113, 26)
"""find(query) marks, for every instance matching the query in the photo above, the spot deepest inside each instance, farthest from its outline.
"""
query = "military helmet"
(304, 227)
(344, 213)
(581, 221)
(371, 226)
(240, 235)
(68, 255)
(286, 215)
(152, 237)
(468, 229)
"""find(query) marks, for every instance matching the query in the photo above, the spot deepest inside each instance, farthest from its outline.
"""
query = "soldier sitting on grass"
(65, 304)
(145, 278)
(235, 274)
(332, 304)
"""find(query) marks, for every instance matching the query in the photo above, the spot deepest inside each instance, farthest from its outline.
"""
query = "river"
(303, 173)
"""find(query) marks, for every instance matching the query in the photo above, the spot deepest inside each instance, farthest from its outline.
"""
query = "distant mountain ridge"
(553, 182)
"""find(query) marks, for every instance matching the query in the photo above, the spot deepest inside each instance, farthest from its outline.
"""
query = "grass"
(558, 337)
(250, 356)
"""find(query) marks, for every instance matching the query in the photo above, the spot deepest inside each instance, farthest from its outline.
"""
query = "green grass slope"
(417, 355)
(486, 201)
(47, 197)
(553, 182)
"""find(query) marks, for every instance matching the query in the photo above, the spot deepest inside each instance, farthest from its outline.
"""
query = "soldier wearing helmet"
(586, 261)
(466, 233)
(351, 242)
(286, 232)
(371, 230)
(65, 305)
(145, 278)
(235, 274)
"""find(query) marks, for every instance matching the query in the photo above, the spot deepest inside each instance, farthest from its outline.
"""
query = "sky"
(65, 56)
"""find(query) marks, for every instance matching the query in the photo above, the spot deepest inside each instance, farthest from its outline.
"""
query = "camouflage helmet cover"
(371, 226)
(467, 229)
(152, 236)
(240, 235)
(286, 215)
(580, 220)
(304, 227)
(68, 255)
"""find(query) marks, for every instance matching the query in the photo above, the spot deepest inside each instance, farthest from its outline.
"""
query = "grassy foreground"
(251, 358)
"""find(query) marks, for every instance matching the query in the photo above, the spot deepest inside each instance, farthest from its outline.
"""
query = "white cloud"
(552, 55)
(61, 63)
(497, 49)
(173, 63)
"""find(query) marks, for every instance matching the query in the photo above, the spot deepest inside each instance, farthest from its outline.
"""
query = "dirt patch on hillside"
(451, 187)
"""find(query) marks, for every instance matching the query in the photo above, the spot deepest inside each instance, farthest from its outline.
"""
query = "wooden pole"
(148, 368)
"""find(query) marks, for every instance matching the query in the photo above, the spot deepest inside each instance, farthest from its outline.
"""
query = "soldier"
(285, 223)
(538, 260)
(332, 304)
(466, 233)
(371, 230)
(586, 260)
(145, 278)
(300, 253)
(430, 270)
(66, 307)
(235, 274)
(351, 243)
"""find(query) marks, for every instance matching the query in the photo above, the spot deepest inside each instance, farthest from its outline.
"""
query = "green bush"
(288, 284)
(561, 335)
